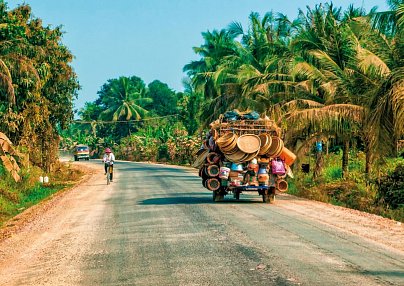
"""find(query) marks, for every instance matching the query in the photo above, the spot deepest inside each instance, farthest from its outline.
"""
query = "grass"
(354, 192)
(16, 197)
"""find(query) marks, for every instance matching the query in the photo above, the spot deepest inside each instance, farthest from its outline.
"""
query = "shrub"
(391, 188)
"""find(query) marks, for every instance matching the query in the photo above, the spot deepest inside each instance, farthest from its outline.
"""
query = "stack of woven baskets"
(241, 143)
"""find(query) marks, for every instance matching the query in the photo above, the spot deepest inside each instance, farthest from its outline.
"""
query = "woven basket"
(213, 170)
(275, 148)
(200, 160)
(225, 139)
(266, 141)
(249, 143)
(282, 185)
(213, 184)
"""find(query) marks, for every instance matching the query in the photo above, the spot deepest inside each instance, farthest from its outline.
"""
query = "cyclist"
(108, 160)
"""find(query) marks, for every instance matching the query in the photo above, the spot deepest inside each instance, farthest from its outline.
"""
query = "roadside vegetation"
(332, 75)
(37, 88)
(15, 197)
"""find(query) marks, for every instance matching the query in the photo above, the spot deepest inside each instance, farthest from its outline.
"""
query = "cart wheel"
(75, 158)
(269, 196)
(218, 197)
(237, 195)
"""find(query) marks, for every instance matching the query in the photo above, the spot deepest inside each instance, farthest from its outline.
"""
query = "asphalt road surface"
(157, 225)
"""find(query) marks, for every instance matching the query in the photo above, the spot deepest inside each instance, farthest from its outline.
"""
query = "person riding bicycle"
(109, 159)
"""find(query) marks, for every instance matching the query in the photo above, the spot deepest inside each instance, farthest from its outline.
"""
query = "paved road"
(157, 225)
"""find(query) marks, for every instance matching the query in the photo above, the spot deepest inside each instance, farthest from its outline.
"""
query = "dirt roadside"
(22, 220)
(39, 238)
(385, 232)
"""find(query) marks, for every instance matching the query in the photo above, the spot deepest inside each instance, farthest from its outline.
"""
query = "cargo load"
(243, 152)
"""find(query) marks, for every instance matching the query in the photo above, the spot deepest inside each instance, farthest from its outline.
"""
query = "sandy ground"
(94, 234)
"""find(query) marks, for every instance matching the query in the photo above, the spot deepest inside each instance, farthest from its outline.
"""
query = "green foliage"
(333, 171)
(189, 105)
(2, 170)
(123, 99)
(164, 99)
(292, 188)
(15, 197)
(391, 188)
(38, 193)
(38, 83)
(385, 198)
(165, 140)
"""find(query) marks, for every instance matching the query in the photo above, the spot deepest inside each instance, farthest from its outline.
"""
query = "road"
(157, 225)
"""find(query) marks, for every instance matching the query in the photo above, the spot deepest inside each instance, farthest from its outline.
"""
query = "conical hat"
(249, 143)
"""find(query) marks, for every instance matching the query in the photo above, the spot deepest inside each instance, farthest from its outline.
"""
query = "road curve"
(157, 225)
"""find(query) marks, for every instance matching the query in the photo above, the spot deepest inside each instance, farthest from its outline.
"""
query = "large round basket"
(276, 147)
(249, 157)
(266, 141)
(225, 139)
(236, 157)
(249, 143)
(231, 147)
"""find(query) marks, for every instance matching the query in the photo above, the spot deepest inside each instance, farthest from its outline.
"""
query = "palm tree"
(124, 100)
(347, 62)
(391, 21)
(205, 74)
(330, 54)
(387, 99)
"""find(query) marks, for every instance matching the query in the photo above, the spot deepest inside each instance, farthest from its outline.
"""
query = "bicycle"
(109, 173)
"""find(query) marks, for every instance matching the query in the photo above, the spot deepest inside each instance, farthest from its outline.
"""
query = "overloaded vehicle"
(243, 152)
(81, 151)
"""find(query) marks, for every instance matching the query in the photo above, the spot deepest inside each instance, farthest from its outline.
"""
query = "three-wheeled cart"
(267, 193)
(238, 156)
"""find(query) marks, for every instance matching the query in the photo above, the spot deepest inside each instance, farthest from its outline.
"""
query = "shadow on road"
(191, 200)
(382, 273)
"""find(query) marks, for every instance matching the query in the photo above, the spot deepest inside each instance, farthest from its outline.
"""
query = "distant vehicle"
(81, 152)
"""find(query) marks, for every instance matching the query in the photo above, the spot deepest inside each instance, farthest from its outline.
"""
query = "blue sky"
(151, 39)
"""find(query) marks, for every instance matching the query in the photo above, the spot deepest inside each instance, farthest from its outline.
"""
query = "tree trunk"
(345, 158)
(319, 165)
(368, 161)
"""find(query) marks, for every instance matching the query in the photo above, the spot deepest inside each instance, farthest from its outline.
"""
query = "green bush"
(391, 188)
(333, 173)
(163, 154)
